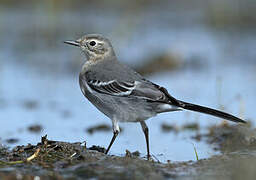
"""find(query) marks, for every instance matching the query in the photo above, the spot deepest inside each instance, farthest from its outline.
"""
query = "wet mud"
(62, 160)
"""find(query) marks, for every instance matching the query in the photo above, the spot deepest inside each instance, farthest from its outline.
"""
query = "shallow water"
(43, 72)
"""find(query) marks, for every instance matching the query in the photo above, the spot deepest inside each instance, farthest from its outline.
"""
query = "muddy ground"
(62, 160)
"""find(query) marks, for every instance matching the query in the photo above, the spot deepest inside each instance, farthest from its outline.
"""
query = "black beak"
(74, 43)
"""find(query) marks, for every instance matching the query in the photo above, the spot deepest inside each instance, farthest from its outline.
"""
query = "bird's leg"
(145, 130)
(116, 131)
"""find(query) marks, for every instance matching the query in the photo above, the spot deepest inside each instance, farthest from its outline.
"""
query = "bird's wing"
(144, 90)
(110, 87)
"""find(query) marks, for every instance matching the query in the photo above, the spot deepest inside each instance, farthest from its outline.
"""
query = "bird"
(124, 95)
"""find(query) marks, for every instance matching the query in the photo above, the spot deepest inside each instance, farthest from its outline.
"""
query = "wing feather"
(143, 90)
(111, 87)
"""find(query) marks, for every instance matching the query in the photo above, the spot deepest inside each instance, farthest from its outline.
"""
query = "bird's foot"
(149, 157)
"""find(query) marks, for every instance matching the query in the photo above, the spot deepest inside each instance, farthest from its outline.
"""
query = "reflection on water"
(39, 82)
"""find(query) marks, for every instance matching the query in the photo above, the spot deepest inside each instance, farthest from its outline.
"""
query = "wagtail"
(124, 95)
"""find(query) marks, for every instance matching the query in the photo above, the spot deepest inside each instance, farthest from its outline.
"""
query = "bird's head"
(95, 46)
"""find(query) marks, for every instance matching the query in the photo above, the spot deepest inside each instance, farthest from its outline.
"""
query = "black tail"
(206, 110)
(197, 108)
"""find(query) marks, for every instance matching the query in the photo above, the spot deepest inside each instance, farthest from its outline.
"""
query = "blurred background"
(202, 51)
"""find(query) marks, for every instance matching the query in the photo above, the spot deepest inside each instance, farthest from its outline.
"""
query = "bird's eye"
(92, 43)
